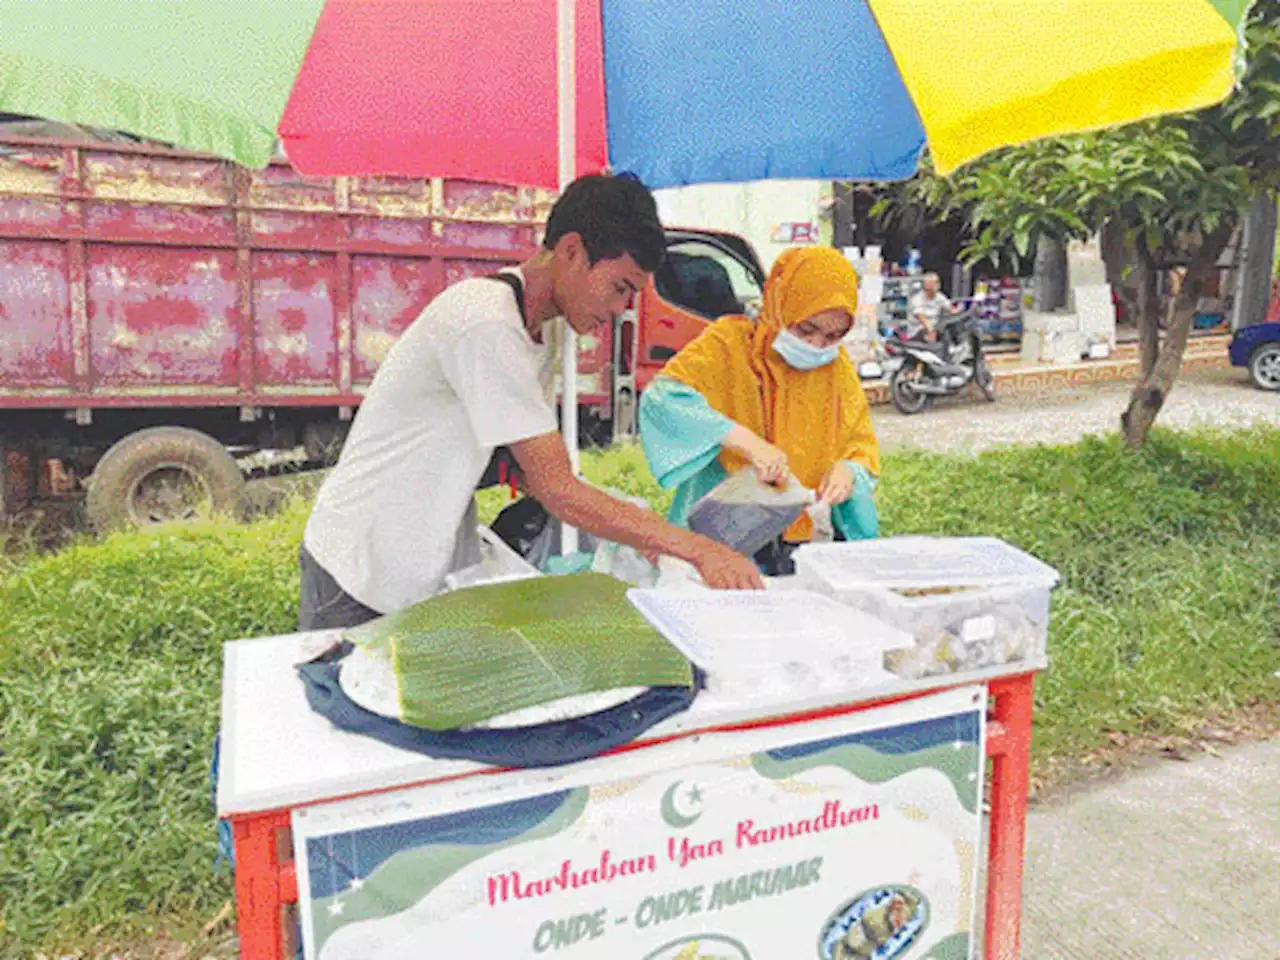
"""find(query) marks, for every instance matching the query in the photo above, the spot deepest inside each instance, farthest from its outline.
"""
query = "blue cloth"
(682, 436)
(797, 90)
(544, 745)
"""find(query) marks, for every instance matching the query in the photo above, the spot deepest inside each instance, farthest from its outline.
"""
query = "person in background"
(398, 511)
(777, 392)
(927, 307)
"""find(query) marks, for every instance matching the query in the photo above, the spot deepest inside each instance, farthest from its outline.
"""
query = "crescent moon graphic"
(669, 812)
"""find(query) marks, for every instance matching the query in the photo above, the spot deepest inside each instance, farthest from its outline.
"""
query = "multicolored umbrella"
(674, 91)
(714, 90)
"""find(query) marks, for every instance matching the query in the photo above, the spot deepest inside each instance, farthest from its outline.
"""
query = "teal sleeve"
(680, 432)
(682, 435)
(857, 518)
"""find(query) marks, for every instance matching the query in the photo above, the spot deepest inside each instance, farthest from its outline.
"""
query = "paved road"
(1215, 397)
(1176, 862)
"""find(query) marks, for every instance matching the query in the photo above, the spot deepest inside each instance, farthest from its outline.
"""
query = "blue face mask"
(803, 355)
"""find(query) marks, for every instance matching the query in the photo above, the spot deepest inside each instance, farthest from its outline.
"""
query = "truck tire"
(163, 474)
(322, 441)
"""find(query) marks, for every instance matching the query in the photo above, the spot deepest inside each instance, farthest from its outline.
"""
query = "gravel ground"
(1212, 397)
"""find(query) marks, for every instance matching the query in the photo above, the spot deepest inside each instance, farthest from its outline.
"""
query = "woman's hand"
(771, 464)
(837, 485)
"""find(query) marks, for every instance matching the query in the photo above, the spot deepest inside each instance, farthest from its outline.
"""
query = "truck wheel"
(163, 474)
(322, 441)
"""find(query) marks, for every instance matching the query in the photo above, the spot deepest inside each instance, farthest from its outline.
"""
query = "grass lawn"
(110, 651)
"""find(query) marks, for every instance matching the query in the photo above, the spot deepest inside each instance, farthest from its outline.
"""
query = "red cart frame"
(267, 884)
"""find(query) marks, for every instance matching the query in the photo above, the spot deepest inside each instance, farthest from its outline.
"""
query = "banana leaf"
(474, 654)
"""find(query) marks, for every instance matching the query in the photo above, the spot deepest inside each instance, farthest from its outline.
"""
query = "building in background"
(772, 215)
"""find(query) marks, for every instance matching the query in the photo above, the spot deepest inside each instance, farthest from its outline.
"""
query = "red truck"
(165, 315)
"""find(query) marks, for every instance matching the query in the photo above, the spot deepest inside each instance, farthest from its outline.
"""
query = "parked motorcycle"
(942, 368)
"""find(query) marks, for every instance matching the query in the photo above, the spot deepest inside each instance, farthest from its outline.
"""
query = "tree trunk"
(1148, 307)
(1051, 274)
(1161, 361)
(1120, 258)
(1253, 292)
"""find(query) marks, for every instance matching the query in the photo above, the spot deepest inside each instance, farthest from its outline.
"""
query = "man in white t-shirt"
(928, 306)
(398, 512)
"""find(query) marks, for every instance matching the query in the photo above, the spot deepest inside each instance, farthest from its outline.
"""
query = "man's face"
(592, 295)
(931, 286)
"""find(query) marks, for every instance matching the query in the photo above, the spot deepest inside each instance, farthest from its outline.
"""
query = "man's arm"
(544, 461)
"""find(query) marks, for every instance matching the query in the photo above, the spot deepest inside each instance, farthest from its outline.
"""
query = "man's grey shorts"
(322, 604)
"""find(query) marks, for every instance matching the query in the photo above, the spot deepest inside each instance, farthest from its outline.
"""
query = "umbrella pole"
(566, 43)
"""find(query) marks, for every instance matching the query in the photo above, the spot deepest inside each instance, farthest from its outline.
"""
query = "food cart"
(791, 811)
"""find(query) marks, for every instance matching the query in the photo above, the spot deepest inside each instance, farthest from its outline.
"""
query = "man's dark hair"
(613, 215)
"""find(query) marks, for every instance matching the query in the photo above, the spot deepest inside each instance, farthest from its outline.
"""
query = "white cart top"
(277, 753)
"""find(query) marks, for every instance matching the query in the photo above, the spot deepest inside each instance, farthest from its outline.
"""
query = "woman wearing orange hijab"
(777, 392)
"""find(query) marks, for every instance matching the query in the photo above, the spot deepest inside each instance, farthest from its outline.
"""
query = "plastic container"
(969, 603)
(788, 642)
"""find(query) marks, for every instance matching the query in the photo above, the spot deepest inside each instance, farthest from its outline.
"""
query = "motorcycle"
(940, 369)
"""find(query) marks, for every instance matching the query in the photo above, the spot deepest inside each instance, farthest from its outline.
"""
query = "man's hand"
(544, 461)
(837, 485)
(725, 569)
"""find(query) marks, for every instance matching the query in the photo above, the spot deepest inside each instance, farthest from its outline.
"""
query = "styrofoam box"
(969, 603)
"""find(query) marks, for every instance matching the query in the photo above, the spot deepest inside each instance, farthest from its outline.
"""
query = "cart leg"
(1010, 781)
(259, 897)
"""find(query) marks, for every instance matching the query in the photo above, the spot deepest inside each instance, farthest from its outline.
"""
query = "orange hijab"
(817, 417)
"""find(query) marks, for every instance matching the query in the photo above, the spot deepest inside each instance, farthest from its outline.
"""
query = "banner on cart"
(845, 838)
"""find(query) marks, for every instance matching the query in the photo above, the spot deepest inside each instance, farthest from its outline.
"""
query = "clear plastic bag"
(824, 530)
(677, 574)
(624, 563)
(498, 562)
(745, 514)
(621, 561)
